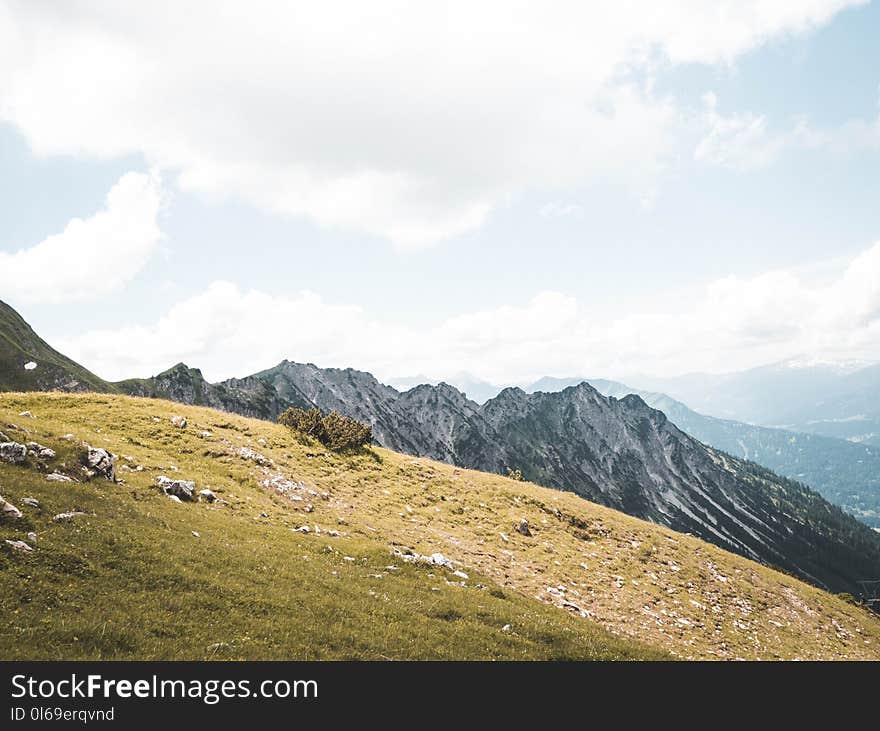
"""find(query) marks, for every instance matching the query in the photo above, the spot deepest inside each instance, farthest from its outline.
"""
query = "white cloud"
(740, 141)
(744, 140)
(559, 209)
(91, 256)
(407, 120)
(728, 324)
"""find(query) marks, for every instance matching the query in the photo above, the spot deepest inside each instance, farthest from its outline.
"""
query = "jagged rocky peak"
(510, 396)
(637, 405)
(511, 392)
(442, 393)
(182, 369)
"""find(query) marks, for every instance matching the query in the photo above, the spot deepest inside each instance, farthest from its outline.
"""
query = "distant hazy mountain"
(474, 388)
(845, 473)
(835, 400)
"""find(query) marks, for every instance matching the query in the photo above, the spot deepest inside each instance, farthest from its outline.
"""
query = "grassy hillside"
(130, 579)
(20, 345)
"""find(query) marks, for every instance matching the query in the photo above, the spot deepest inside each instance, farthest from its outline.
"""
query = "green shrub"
(335, 431)
(305, 422)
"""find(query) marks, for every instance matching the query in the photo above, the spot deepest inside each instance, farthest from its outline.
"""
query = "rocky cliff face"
(845, 473)
(249, 397)
(617, 452)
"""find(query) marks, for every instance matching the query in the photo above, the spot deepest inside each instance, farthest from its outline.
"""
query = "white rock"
(438, 559)
(46, 453)
(285, 487)
(32, 536)
(180, 489)
(504, 538)
(179, 422)
(58, 477)
(27, 414)
(9, 510)
(30, 365)
(32, 502)
(19, 546)
(208, 494)
(66, 517)
(175, 498)
(205, 434)
(505, 628)
(102, 463)
(196, 534)
(435, 559)
(254, 456)
(460, 574)
(13, 452)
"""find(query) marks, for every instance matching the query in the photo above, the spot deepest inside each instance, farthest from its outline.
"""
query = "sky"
(511, 190)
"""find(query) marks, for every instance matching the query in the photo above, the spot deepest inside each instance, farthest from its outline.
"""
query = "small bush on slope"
(339, 433)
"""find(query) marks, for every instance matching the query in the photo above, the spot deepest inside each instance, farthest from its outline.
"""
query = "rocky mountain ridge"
(844, 472)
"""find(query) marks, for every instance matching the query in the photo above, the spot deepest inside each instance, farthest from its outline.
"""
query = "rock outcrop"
(8, 509)
(18, 546)
(181, 489)
(101, 463)
(13, 452)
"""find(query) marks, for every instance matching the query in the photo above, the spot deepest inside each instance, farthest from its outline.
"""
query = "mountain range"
(617, 452)
(844, 472)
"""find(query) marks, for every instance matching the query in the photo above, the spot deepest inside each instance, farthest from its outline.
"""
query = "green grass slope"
(129, 578)
(20, 345)
(139, 576)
